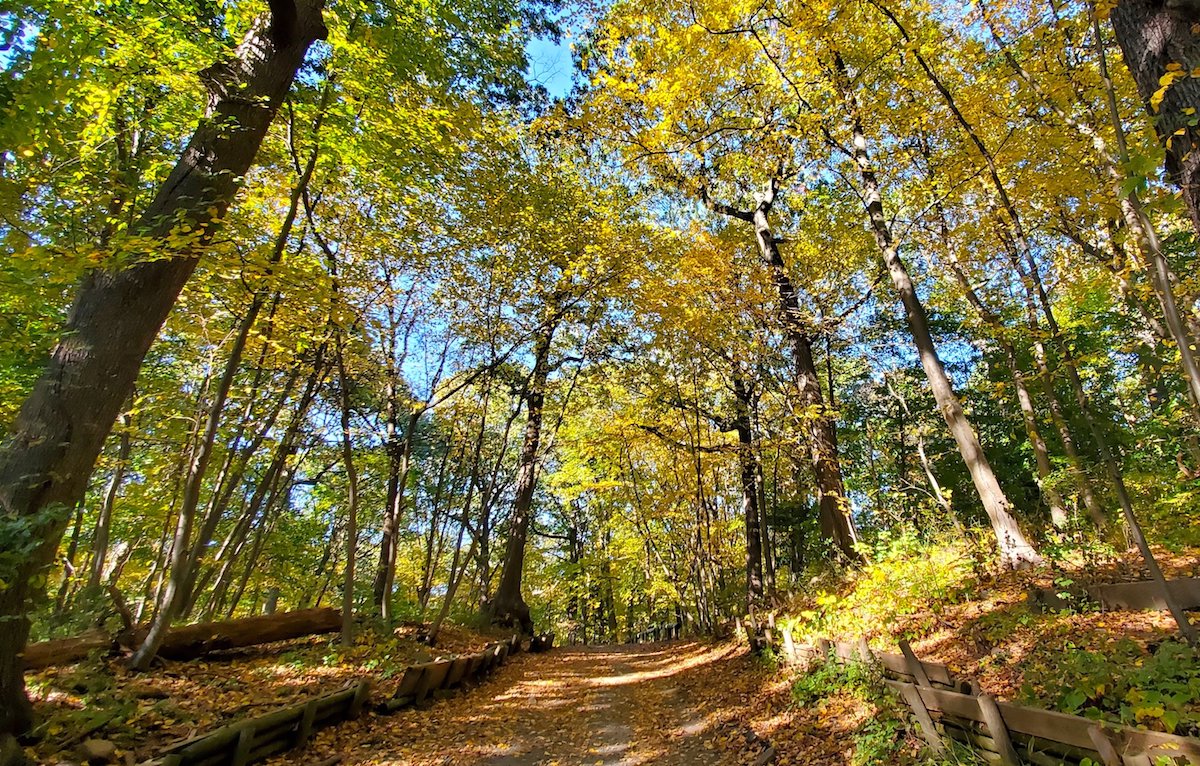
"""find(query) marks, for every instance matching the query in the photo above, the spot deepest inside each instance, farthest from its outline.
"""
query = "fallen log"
(187, 642)
(63, 651)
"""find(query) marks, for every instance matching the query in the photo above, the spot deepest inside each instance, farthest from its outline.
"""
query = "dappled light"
(601, 382)
(689, 702)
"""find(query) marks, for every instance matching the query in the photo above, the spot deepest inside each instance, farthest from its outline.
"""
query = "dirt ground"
(667, 703)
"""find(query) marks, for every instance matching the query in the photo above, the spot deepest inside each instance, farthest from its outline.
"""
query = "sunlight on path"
(676, 703)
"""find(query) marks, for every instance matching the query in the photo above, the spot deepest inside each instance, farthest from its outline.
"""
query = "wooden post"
(998, 730)
(864, 651)
(789, 646)
(245, 742)
(912, 696)
(1104, 746)
(914, 665)
(304, 730)
(361, 694)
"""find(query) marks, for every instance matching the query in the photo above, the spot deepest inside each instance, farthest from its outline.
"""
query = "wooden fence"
(947, 708)
(661, 632)
(1125, 596)
(254, 739)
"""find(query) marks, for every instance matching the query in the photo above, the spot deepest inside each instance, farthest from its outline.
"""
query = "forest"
(474, 317)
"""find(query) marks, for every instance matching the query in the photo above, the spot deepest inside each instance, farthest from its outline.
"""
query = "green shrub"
(1157, 689)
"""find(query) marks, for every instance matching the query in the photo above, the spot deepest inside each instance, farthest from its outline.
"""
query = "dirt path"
(676, 703)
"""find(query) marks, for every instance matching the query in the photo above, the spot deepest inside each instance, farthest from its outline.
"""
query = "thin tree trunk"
(69, 568)
(1109, 459)
(232, 475)
(748, 466)
(1014, 549)
(927, 468)
(398, 471)
(1041, 453)
(837, 526)
(104, 519)
(232, 364)
(229, 549)
(351, 498)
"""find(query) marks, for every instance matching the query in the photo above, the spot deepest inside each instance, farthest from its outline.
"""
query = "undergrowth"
(1157, 687)
(946, 598)
(882, 734)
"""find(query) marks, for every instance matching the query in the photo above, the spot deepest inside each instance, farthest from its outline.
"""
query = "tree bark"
(755, 589)
(232, 365)
(1154, 35)
(507, 606)
(62, 425)
(187, 642)
(104, 518)
(834, 509)
(1014, 549)
(351, 499)
(1041, 454)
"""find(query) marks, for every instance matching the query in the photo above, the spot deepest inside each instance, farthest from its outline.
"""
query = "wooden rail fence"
(244, 742)
(1140, 596)
(662, 632)
(947, 708)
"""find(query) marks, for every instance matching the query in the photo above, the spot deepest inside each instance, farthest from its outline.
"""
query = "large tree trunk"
(117, 314)
(507, 607)
(1014, 549)
(1154, 34)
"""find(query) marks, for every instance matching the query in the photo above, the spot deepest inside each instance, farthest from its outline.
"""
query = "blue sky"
(550, 65)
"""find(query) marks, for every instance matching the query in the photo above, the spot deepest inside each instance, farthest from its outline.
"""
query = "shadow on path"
(667, 703)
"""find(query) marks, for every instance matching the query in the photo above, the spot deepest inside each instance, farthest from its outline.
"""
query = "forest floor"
(143, 712)
(667, 703)
(682, 702)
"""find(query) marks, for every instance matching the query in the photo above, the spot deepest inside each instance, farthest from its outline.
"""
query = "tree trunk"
(399, 452)
(104, 518)
(836, 524)
(507, 606)
(231, 477)
(1153, 35)
(186, 642)
(1041, 454)
(351, 499)
(1108, 457)
(69, 568)
(200, 465)
(457, 573)
(117, 314)
(183, 556)
(748, 466)
(1014, 549)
